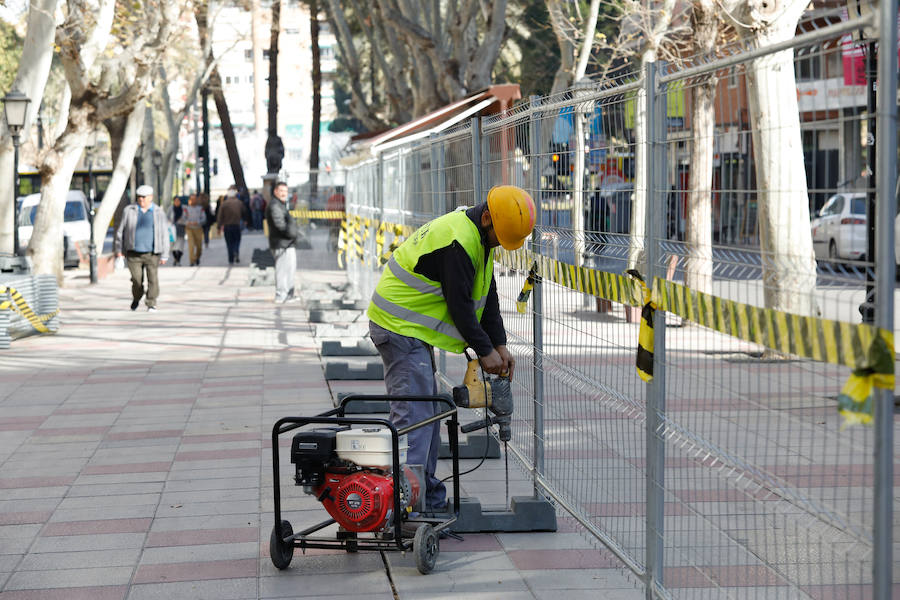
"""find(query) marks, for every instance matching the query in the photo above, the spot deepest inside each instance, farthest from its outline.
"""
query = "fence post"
(886, 209)
(477, 181)
(437, 209)
(656, 403)
(537, 298)
(374, 273)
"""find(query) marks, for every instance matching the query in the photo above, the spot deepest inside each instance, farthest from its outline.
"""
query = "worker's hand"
(119, 255)
(508, 361)
(492, 363)
(162, 261)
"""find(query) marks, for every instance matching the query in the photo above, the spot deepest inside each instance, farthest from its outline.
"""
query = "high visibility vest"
(413, 305)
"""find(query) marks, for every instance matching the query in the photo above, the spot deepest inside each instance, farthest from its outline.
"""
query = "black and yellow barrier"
(19, 305)
(318, 214)
(862, 347)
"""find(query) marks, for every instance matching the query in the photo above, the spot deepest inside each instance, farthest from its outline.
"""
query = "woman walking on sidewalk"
(194, 219)
(176, 212)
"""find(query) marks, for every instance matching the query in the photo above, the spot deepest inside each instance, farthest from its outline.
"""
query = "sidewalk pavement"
(135, 459)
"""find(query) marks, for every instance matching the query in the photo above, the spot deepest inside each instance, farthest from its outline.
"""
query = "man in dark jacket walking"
(230, 216)
(282, 235)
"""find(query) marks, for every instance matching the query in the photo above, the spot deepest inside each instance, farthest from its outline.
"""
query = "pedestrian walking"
(438, 290)
(258, 208)
(231, 215)
(176, 212)
(194, 219)
(210, 218)
(282, 237)
(143, 239)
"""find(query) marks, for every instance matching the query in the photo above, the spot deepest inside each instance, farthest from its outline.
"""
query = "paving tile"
(202, 536)
(33, 482)
(216, 589)
(96, 527)
(196, 571)
(145, 467)
(289, 584)
(80, 559)
(64, 578)
(562, 559)
(115, 592)
(19, 518)
(201, 552)
(74, 543)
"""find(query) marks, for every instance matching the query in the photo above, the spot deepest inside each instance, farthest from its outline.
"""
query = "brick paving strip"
(135, 459)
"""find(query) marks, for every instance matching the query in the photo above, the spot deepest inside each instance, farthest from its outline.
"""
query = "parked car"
(76, 224)
(839, 228)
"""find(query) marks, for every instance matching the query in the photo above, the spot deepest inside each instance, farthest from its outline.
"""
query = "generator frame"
(425, 543)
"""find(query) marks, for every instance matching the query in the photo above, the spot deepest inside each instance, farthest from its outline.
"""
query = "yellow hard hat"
(512, 213)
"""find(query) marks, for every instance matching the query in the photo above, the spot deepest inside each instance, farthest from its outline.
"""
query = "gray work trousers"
(409, 371)
(285, 269)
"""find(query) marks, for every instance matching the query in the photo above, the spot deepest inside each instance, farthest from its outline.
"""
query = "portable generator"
(356, 467)
(348, 470)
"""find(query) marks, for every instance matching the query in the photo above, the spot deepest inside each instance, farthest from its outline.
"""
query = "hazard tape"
(317, 214)
(17, 304)
(867, 350)
(646, 334)
(602, 284)
(522, 300)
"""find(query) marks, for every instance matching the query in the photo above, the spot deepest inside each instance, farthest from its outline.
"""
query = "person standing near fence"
(143, 239)
(231, 214)
(283, 234)
(438, 290)
(194, 219)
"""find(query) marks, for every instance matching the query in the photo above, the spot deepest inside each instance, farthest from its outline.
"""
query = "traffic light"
(215, 166)
(187, 171)
(559, 158)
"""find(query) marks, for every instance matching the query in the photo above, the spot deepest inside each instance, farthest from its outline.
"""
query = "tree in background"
(423, 55)
(31, 79)
(114, 86)
(202, 16)
(316, 99)
(10, 53)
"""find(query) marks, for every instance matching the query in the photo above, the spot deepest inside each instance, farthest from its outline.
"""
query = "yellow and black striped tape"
(17, 304)
(646, 335)
(317, 214)
(834, 342)
(609, 286)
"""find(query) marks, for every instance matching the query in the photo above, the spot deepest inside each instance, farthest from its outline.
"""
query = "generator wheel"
(280, 551)
(426, 548)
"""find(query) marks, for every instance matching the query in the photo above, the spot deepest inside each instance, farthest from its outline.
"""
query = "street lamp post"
(92, 194)
(15, 105)
(157, 163)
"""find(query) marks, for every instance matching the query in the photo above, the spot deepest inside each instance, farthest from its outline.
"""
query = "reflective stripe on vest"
(414, 317)
(422, 286)
(413, 305)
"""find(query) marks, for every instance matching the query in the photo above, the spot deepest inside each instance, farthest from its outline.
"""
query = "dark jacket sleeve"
(452, 266)
(279, 219)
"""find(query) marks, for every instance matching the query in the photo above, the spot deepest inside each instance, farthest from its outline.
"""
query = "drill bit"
(506, 460)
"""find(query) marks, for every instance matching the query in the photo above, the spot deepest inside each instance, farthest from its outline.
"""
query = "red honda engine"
(362, 500)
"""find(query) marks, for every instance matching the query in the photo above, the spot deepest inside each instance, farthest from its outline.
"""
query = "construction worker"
(438, 290)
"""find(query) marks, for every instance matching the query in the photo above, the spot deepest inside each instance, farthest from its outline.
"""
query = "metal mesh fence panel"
(731, 473)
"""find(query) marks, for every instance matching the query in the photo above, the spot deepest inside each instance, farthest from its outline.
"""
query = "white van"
(76, 224)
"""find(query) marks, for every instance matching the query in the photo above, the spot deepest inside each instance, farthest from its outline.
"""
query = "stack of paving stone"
(351, 362)
(40, 293)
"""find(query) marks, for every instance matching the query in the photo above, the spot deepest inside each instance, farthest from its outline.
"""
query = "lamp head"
(15, 105)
